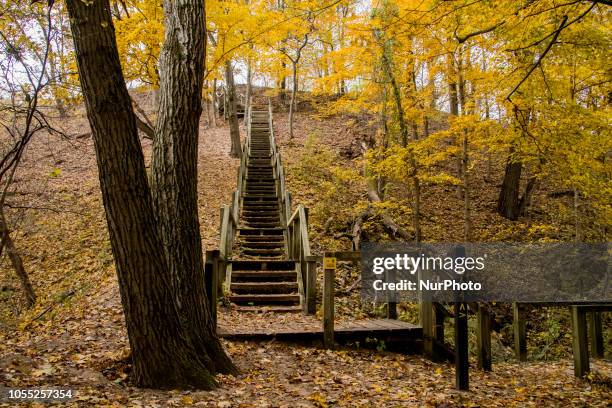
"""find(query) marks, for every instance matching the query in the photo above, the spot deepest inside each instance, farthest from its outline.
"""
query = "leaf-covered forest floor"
(75, 336)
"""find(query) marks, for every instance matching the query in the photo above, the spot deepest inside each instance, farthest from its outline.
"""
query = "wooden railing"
(296, 223)
(279, 173)
(230, 214)
(298, 249)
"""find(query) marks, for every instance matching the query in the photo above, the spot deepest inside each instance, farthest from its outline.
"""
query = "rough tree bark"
(174, 171)
(232, 114)
(508, 202)
(162, 353)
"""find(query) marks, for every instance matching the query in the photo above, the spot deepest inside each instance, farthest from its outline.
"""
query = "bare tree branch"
(540, 58)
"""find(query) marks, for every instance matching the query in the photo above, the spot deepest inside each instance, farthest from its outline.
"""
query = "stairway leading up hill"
(262, 276)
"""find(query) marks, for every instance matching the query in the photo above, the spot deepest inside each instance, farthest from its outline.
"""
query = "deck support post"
(579, 341)
(520, 332)
(328, 307)
(426, 320)
(391, 297)
(462, 366)
(483, 342)
(426, 317)
(439, 316)
(211, 277)
(311, 286)
(596, 334)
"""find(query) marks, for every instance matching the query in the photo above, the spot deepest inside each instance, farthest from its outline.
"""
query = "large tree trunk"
(508, 203)
(7, 242)
(174, 171)
(232, 111)
(162, 353)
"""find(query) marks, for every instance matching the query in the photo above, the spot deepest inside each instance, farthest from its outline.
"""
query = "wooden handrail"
(230, 214)
(298, 245)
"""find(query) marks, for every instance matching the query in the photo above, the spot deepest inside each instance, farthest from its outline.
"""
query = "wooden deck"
(396, 334)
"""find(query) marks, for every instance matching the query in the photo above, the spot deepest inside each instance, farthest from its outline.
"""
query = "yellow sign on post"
(329, 263)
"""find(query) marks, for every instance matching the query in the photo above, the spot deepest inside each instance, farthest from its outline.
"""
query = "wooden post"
(520, 332)
(580, 341)
(462, 365)
(328, 301)
(426, 319)
(391, 296)
(439, 322)
(311, 286)
(596, 334)
(483, 342)
(211, 283)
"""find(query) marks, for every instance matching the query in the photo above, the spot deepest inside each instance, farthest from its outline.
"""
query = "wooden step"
(254, 288)
(269, 309)
(263, 207)
(260, 163)
(256, 198)
(262, 218)
(264, 212)
(258, 266)
(266, 191)
(261, 215)
(263, 245)
(264, 238)
(248, 185)
(262, 251)
(260, 231)
(260, 193)
(264, 276)
(255, 207)
(261, 225)
(265, 298)
(260, 175)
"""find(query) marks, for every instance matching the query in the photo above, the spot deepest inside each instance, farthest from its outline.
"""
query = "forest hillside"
(194, 196)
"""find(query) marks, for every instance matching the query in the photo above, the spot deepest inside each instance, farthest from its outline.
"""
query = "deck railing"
(230, 213)
(296, 224)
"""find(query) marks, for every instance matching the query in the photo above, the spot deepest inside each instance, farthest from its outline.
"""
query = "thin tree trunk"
(461, 103)
(398, 99)
(416, 188)
(249, 89)
(163, 355)
(7, 242)
(508, 200)
(206, 105)
(215, 103)
(231, 111)
(292, 103)
(578, 231)
(467, 219)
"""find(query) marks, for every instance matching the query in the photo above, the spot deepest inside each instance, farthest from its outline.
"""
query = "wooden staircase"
(262, 276)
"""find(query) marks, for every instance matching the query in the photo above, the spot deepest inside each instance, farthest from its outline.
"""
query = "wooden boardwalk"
(395, 334)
